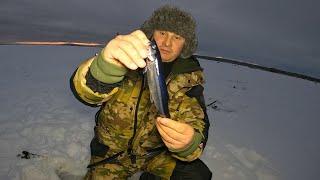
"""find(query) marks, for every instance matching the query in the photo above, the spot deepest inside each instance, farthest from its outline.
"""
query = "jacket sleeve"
(190, 108)
(85, 90)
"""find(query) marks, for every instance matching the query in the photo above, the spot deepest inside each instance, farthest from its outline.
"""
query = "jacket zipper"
(130, 143)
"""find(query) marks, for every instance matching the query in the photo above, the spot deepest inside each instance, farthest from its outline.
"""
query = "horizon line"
(212, 58)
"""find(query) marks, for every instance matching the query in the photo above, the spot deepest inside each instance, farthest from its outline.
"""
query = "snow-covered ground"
(264, 125)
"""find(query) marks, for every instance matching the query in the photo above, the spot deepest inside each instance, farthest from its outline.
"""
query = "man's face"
(169, 44)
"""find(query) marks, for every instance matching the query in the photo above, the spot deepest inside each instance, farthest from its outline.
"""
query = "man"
(129, 134)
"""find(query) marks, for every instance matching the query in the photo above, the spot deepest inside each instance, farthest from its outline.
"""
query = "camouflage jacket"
(126, 119)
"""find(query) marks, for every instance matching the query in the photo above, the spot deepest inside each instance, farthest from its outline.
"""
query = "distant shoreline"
(218, 59)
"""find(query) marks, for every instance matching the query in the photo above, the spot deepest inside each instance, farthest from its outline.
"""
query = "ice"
(263, 125)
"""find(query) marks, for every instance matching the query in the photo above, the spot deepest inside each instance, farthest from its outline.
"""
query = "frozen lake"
(263, 126)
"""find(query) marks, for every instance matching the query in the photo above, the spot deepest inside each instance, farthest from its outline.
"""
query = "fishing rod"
(263, 68)
(211, 58)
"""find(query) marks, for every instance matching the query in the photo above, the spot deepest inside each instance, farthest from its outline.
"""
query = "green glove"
(191, 148)
(106, 72)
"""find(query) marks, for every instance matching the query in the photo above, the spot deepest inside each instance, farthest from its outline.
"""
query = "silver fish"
(156, 80)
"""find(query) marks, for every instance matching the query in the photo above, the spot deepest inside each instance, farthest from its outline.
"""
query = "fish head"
(153, 51)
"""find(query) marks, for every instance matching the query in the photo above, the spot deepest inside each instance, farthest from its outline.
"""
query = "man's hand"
(175, 135)
(127, 50)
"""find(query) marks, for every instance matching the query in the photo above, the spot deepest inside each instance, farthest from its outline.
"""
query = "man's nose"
(167, 41)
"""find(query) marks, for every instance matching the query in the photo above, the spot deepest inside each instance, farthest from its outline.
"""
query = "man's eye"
(162, 33)
(177, 38)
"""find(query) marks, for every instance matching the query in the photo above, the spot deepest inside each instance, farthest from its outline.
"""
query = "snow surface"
(263, 126)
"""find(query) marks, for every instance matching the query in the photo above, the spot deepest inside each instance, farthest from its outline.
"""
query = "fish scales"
(156, 80)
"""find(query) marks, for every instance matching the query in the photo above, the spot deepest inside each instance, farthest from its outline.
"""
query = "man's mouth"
(165, 51)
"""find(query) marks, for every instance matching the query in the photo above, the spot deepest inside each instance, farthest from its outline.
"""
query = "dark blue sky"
(282, 34)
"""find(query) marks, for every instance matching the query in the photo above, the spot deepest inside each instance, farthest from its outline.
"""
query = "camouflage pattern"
(116, 121)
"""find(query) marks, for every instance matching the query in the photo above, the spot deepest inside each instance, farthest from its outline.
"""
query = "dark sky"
(276, 33)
